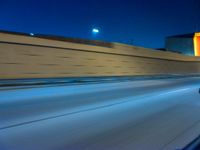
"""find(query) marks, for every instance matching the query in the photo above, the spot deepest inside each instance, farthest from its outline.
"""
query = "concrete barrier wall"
(31, 57)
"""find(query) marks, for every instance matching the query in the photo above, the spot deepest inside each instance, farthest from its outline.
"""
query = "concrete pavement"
(152, 114)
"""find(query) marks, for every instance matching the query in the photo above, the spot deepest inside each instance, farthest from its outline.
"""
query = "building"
(188, 44)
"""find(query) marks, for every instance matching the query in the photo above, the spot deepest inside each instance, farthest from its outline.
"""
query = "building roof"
(189, 35)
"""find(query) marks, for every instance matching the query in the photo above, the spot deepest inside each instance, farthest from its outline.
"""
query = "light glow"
(196, 40)
(95, 30)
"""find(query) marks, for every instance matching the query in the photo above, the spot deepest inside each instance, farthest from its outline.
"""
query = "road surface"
(162, 114)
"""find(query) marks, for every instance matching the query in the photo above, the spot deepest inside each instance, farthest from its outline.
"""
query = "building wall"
(30, 57)
(197, 44)
(180, 44)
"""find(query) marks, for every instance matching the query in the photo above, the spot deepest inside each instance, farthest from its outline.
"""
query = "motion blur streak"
(142, 115)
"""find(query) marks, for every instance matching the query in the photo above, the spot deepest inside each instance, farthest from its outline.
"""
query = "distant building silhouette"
(188, 44)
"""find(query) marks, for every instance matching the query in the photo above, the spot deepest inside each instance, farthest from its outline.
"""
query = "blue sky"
(140, 22)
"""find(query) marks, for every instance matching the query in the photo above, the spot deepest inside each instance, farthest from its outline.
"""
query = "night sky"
(140, 22)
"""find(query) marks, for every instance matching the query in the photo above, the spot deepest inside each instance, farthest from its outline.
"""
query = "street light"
(95, 30)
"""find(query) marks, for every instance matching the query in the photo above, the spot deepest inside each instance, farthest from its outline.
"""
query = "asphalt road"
(132, 115)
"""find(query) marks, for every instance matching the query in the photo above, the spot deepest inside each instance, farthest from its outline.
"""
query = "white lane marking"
(174, 91)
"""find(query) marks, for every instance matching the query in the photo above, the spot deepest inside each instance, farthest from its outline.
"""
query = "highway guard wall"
(23, 56)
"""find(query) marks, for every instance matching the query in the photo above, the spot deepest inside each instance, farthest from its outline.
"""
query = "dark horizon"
(142, 23)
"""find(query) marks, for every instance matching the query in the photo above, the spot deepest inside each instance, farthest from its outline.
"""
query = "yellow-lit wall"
(31, 57)
(197, 44)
